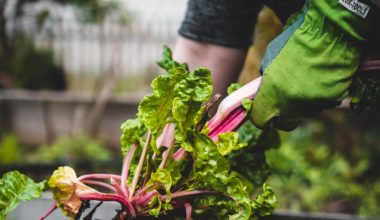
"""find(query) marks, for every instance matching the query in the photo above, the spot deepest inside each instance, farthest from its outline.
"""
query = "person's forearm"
(225, 63)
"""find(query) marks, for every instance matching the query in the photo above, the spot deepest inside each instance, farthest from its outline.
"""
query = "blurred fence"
(86, 51)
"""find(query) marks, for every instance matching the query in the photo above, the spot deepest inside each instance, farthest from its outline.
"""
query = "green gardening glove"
(310, 66)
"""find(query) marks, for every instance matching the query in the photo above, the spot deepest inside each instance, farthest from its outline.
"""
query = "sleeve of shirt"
(222, 22)
(284, 9)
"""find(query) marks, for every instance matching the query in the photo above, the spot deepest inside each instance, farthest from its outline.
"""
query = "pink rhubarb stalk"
(125, 170)
(98, 183)
(140, 165)
(117, 187)
(180, 154)
(236, 118)
(232, 101)
(166, 139)
(144, 199)
(99, 176)
(188, 211)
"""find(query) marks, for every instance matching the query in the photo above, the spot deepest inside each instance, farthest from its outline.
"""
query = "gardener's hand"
(310, 66)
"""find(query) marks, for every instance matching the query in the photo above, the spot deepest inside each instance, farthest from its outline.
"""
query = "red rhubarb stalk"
(109, 197)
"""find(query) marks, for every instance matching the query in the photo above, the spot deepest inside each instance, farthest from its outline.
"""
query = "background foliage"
(329, 165)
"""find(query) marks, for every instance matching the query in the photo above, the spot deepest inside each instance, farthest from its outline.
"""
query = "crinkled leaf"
(16, 187)
(253, 155)
(233, 200)
(155, 206)
(168, 63)
(207, 157)
(265, 203)
(176, 169)
(228, 142)
(155, 110)
(213, 173)
(258, 170)
(236, 190)
(256, 137)
(162, 177)
(177, 97)
(133, 131)
(249, 133)
(233, 87)
(190, 94)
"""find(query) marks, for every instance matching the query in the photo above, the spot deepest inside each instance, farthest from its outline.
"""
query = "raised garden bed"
(40, 117)
(34, 209)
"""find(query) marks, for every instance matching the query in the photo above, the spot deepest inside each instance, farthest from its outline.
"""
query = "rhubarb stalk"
(140, 165)
(125, 170)
(233, 101)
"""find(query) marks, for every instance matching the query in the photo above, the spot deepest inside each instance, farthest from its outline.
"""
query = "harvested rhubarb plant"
(175, 156)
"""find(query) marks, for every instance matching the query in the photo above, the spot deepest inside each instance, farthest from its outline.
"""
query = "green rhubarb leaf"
(253, 155)
(233, 199)
(167, 61)
(161, 177)
(16, 187)
(228, 142)
(208, 158)
(212, 172)
(176, 168)
(155, 110)
(249, 133)
(233, 87)
(265, 203)
(190, 94)
(256, 137)
(155, 206)
(178, 98)
(133, 131)
(236, 190)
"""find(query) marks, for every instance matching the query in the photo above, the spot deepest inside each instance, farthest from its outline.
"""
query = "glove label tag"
(356, 7)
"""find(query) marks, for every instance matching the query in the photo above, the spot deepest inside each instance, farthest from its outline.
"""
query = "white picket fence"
(93, 49)
(126, 51)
